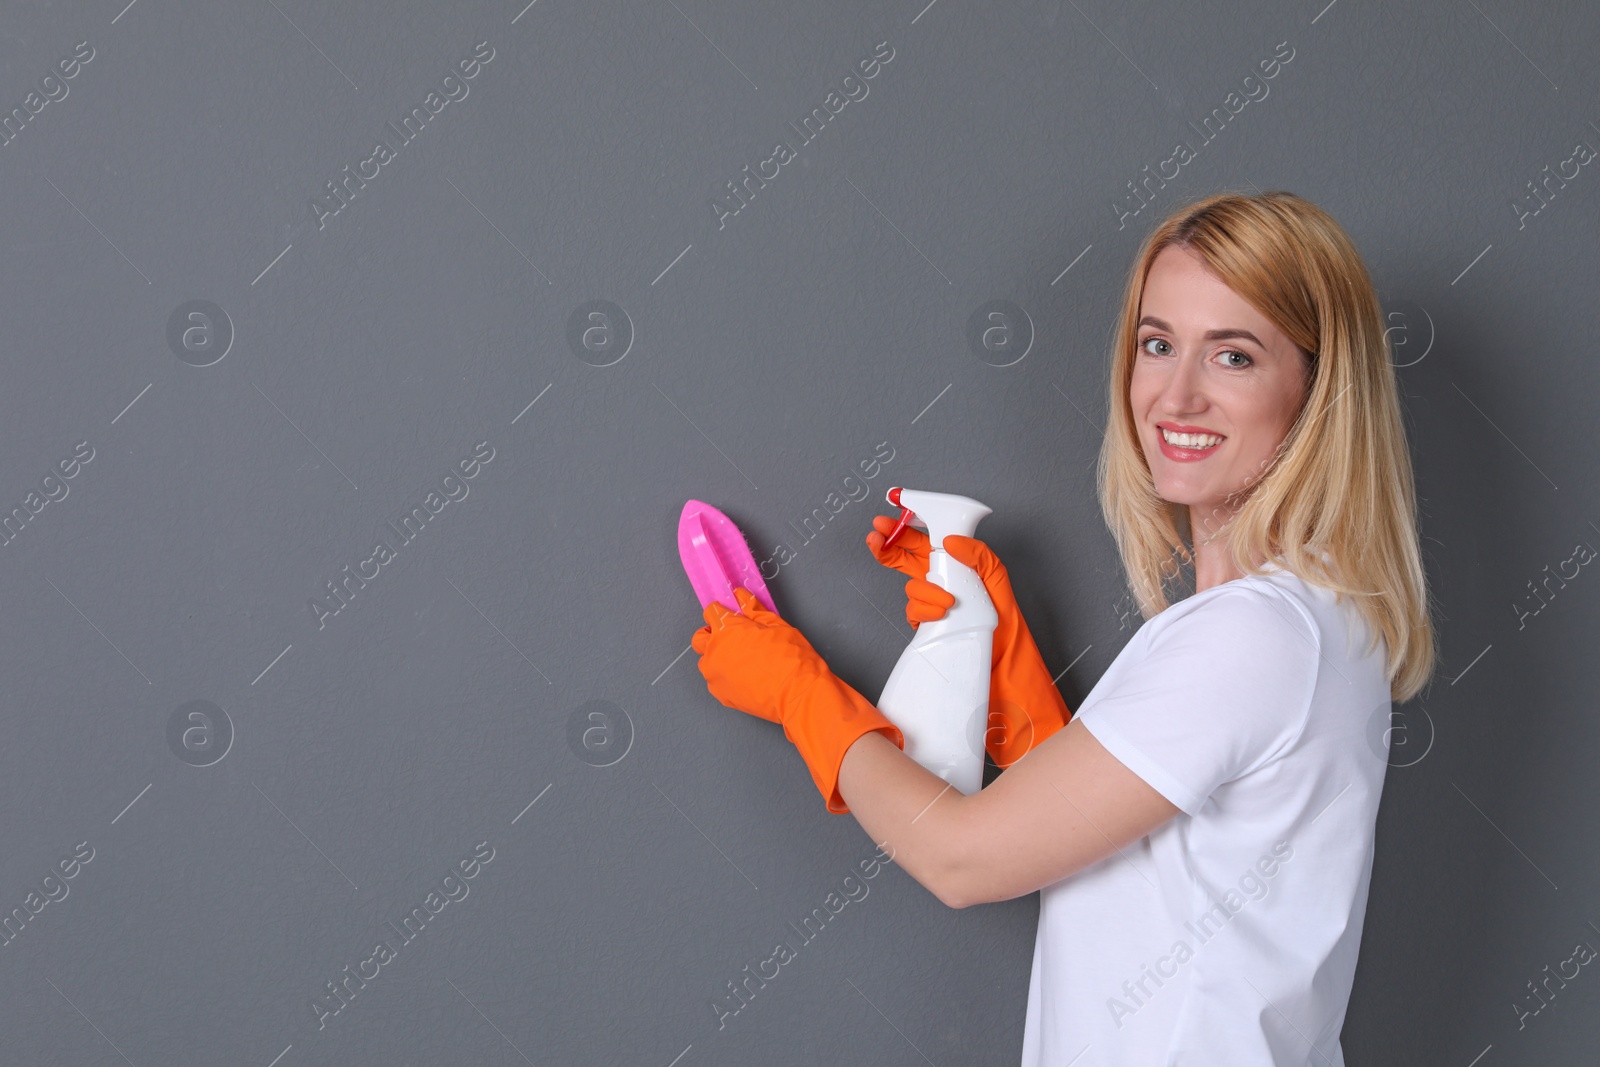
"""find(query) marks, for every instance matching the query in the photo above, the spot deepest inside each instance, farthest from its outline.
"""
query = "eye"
(1241, 355)
(1148, 340)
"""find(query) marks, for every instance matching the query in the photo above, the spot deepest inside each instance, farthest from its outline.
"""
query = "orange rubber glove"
(757, 662)
(1025, 707)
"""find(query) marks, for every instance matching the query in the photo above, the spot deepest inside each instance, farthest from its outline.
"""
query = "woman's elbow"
(951, 899)
(983, 878)
(966, 897)
(942, 879)
(962, 876)
(955, 884)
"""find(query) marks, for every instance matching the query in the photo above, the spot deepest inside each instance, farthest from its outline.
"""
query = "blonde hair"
(1341, 480)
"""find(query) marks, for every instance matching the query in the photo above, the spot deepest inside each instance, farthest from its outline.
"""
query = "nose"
(1183, 392)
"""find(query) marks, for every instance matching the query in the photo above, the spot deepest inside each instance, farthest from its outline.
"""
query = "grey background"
(767, 357)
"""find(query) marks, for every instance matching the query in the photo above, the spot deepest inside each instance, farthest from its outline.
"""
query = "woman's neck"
(1213, 560)
(1213, 566)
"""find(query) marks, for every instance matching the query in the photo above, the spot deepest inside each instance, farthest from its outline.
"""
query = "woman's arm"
(1063, 807)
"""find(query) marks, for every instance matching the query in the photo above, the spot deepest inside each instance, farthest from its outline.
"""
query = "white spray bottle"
(938, 692)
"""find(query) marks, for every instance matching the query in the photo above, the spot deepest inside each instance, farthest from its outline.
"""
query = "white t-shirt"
(1228, 935)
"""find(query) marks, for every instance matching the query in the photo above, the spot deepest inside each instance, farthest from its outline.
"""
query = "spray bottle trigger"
(893, 496)
(905, 520)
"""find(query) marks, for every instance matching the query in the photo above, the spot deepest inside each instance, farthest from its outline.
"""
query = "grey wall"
(235, 454)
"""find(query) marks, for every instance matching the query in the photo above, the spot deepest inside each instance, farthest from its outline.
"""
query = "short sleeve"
(1215, 693)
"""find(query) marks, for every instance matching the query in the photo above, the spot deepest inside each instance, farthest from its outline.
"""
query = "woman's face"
(1210, 365)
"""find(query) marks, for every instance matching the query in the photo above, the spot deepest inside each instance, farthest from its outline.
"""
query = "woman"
(1202, 829)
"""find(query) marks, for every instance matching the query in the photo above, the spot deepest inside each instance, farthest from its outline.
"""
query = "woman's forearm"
(909, 811)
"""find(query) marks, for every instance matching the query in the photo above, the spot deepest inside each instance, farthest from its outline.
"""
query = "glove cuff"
(823, 717)
(1025, 705)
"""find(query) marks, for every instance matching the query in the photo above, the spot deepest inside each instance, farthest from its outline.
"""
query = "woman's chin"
(1183, 495)
(1197, 501)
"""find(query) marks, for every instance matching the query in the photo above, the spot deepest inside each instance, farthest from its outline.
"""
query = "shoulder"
(1251, 619)
(1259, 603)
(1221, 684)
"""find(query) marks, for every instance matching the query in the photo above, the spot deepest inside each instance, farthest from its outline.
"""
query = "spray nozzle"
(940, 514)
(906, 515)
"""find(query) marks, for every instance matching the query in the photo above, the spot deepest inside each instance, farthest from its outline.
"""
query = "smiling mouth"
(1192, 442)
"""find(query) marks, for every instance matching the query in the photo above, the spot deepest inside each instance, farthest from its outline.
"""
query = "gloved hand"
(757, 662)
(1025, 707)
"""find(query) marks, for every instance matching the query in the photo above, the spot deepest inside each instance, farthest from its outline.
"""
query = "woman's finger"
(909, 553)
(931, 592)
(911, 538)
(926, 601)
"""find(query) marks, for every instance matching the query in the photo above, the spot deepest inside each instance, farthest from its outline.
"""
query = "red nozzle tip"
(893, 496)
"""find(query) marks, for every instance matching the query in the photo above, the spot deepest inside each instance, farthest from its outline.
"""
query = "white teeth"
(1190, 440)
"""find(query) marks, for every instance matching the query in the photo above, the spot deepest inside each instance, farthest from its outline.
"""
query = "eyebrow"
(1210, 335)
